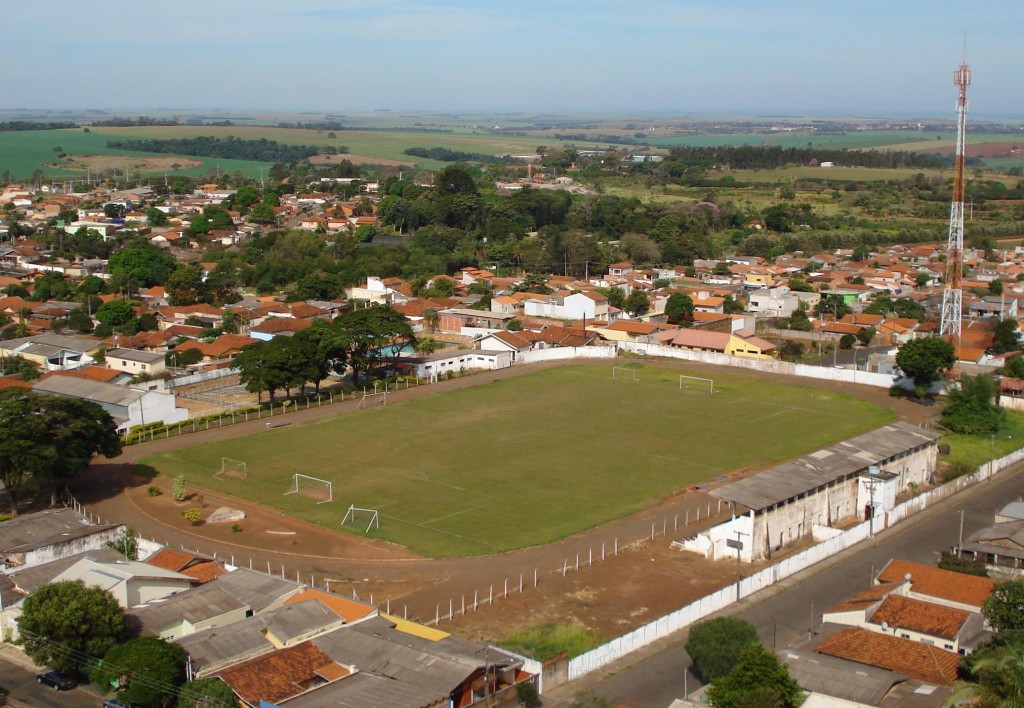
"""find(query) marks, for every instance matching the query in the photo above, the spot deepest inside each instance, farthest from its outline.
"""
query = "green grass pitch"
(531, 459)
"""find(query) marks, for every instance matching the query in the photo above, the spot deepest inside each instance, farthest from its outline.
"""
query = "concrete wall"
(57, 551)
(695, 611)
(562, 353)
(771, 366)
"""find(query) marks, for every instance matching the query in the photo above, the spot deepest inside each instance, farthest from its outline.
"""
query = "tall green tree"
(971, 407)
(185, 285)
(757, 679)
(369, 331)
(1004, 608)
(679, 308)
(925, 360)
(66, 624)
(143, 264)
(145, 671)
(637, 303)
(715, 644)
(1005, 336)
(50, 440)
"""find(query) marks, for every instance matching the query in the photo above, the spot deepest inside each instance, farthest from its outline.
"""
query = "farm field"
(527, 460)
(23, 152)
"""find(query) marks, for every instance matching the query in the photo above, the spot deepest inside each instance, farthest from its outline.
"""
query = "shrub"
(153, 490)
(236, 528)
(715, 644)
(192, 515)
(178, 490)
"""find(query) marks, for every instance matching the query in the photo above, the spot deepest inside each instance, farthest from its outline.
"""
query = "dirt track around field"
(642, 581)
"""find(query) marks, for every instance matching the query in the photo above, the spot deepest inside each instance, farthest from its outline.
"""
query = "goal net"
(625, 373)
(231, 469)
(696, 383)
(363, 519)
(369, 400)
(313, 487)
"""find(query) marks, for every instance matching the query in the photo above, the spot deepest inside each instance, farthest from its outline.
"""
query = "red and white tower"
(952, 293)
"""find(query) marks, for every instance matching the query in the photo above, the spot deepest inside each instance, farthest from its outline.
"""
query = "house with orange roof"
(720, 342)
(966, 592)
(886, 609)
(283, 675)
(632, 330)
(914, 659)
(226, 346)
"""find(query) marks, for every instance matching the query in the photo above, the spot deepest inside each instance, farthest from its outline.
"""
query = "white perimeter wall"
(772, 366)
(661, 627)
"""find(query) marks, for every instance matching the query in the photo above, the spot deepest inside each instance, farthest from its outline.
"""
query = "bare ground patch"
(358, 160)
(99, 163)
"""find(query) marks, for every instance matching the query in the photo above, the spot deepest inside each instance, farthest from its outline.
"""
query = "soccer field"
(529, 459)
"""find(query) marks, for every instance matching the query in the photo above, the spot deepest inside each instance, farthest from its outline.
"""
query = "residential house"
(721, 342)
(440, 364)
(200, 568)
(917, 660)
(568, 306)
(283, 675)
(186, 613)
(1001, 544)
(135, 362)
(130, 582)
(944, 587)
(53, 352)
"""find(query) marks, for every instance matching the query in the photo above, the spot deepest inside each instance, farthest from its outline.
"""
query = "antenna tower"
(952, 293)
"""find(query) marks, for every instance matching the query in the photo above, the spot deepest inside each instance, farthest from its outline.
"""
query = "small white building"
(437, 365)
(129, 407)
(136, 362)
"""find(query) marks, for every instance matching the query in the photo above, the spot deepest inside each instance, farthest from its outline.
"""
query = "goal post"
(315, 487)
(696, 382)
(357, 517)
(231, 469)
(371, 399)
(625, 373)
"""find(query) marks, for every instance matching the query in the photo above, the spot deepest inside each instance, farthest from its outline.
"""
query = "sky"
(797, 57)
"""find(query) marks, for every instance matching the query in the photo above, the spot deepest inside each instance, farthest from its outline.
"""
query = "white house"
(566, 306)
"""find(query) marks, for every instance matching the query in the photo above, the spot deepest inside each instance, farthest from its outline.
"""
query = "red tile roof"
(911, 658)
(943, 584)
(282, 674)
(924, 617)
(864, 599)
(348, 610)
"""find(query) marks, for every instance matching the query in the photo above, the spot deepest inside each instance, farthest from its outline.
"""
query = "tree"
(127, 544)
(428, 345)
(731, 306)
(369, 331)
(178, 488)
(757, 679)
(185, 285)
(115, 313)
(971, 408)
(833, 305)
(866, 335)
(998, 668)
(142, 264)
(678, 308)
(715, 644)
(144, 671)
(64, 623)
(431, 318)
(637, 303)
(847, 341)
(1002, 608)
(281, 363)
(79, 321)
(1005, 336)
(616, 296)
(995, 287)
(925, 360)
(156, 217)
(207, 693)
(922, 279)
(50, 440)
(1015, 368)
(262, 213)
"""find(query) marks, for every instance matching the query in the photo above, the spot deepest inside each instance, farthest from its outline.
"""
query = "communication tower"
(952, 293)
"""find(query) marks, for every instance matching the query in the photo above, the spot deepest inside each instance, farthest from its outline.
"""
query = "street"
(786, 612)
(21, 682)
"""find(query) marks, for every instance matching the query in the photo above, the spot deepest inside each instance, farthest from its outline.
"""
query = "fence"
(771, 366)
(661, 627)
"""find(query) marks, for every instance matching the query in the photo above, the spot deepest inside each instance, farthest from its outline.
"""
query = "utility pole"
(738, 547)
(960, 542)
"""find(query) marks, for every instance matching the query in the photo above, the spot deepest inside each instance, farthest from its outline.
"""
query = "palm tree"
(431, 319)
(1000, 679)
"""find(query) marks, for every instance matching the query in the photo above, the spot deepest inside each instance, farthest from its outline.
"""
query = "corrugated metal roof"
(807, 473)
(98, 391)
(836, 677)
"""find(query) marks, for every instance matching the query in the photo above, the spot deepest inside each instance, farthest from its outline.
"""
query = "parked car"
(57, 680)
(114, 703)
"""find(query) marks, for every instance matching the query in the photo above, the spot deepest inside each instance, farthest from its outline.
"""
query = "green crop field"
(528, 460)
(23, 152)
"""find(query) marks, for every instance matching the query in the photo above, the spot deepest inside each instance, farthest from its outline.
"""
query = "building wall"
(135, 368)
(59, 550)
(138, 591)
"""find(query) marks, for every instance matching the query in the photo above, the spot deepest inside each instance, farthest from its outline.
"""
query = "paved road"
(784, 614)
(21, 682)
